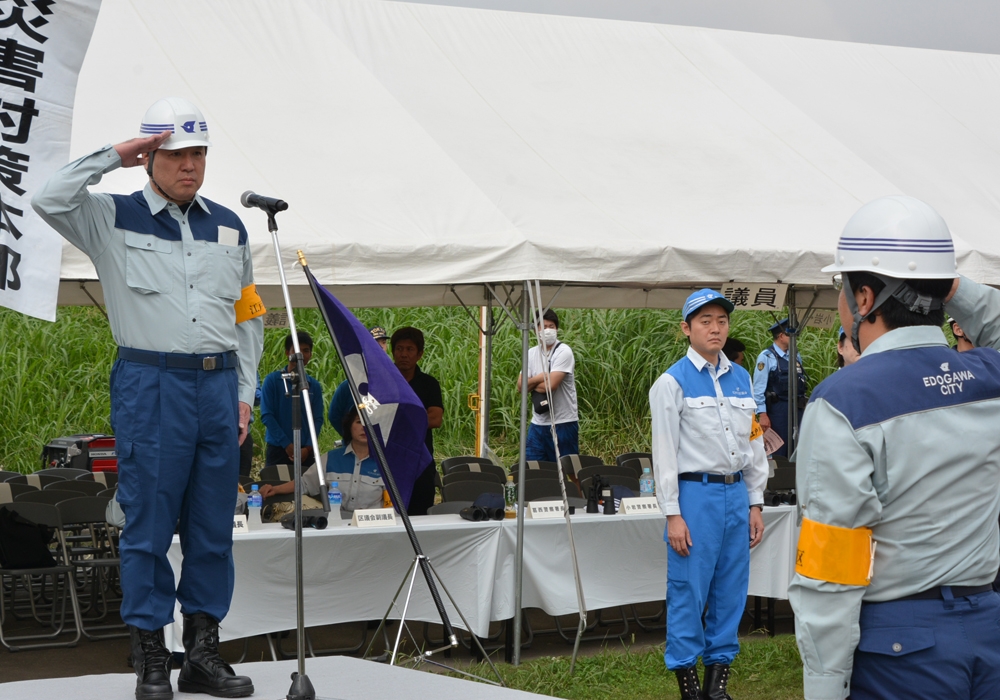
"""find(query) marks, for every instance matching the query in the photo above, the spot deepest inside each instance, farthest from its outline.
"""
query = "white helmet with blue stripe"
(895, 238)
(899, 237)
(179, 116)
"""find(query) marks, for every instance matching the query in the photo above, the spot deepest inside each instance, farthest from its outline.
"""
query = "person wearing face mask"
(563, 411)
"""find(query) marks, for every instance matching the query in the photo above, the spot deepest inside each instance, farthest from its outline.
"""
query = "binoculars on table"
(776, 498)
(478, 513)
(315, 519)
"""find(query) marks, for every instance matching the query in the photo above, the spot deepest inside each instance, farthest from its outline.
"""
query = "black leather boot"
(151, 662)
(204, 671)
(687, 680)
(716, 677)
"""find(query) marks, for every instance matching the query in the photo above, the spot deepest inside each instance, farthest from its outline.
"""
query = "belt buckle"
(729, 479)
(208, 363)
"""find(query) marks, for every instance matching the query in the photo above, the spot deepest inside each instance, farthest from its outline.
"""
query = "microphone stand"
(298, 388)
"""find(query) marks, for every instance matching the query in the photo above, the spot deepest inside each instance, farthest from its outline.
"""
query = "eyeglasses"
(838, 282)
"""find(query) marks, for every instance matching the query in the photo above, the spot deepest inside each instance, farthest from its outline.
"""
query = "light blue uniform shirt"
(170, 282)
(904, 442)
(767, 363)
(702, 416)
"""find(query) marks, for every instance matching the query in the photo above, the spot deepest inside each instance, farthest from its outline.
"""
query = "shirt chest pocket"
(148, 266)
(742, 410)
(223, 271)
(701, 416)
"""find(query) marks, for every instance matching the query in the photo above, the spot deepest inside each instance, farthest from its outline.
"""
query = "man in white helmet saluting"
(899, 476)
(178, 283)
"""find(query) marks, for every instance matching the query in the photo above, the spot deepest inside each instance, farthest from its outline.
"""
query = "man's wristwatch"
(759, 506)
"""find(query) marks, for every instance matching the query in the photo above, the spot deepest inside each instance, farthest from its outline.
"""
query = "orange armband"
(249, 306)
(835, 554)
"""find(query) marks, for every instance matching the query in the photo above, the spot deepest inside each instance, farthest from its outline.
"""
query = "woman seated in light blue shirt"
(356, 472)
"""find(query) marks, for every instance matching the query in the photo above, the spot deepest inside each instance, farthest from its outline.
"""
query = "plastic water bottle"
(647, 486)
(510, 497)
(336, 499)
(254, 504)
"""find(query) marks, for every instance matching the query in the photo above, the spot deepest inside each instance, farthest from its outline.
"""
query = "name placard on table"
(643, 505)
(545, 509)
(374, 517)
(240, 525)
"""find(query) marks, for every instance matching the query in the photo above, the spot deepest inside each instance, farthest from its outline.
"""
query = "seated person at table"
(357, 473)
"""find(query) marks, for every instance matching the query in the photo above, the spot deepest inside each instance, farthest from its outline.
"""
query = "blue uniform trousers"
(716, 573)
(540, 447)
(178, 465)
(929, 650)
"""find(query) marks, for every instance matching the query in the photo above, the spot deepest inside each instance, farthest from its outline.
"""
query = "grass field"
(55, 375)
(766, 669)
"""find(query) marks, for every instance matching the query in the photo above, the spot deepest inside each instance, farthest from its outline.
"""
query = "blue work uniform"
(276, 414)
(770, 390)
(359, 480)
(171, 278)
(904, 442)
(710, 471)
(340, 404)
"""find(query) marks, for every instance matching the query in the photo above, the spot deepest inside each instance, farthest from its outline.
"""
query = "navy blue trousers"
(178, 465)
(778, 413)
(929, 650)
(715, 573)
(540, 447)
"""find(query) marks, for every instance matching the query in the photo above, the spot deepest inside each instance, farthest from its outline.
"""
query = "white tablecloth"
(352, 574)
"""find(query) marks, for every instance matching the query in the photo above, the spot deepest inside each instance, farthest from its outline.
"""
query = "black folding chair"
(572, 464)
(637, 464)
(10, 490)
(84, 488)
(36, 588)
(471, 476)
(66, 472)
(448, 463)
(476, 468)
(469, 490)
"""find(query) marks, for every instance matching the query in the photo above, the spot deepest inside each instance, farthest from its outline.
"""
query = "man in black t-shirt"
(407, 349)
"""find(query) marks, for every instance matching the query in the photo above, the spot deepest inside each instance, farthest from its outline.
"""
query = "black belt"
(956, 592)
(712, 478)
(222, 360)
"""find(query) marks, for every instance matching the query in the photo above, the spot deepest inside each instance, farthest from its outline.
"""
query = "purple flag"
(397, 415)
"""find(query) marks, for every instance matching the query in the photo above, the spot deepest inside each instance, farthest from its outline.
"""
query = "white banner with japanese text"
(42, 46)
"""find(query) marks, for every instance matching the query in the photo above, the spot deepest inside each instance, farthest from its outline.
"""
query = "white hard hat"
(895, 238)
(179, 116)
(898, 237)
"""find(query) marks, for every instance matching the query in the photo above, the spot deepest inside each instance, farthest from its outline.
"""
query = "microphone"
(271, 205)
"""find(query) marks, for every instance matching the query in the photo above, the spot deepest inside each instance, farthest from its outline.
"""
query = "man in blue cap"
(710, 469)
(770, 384)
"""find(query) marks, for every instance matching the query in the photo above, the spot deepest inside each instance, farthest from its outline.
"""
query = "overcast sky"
(954, 25)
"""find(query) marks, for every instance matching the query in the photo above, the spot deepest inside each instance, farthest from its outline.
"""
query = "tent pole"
(521, 468)
(486, 380)
(793, 373)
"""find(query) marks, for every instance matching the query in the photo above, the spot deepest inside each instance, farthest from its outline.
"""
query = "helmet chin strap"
(909, 297)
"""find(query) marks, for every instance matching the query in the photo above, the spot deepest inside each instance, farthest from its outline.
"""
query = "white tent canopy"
(424, 146)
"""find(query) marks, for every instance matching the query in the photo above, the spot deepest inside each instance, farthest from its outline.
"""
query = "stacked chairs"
(636, 461)
(84, 488)
(87, 543)
(572, 464)
(278, 472)
(10, 490)
(40, 588)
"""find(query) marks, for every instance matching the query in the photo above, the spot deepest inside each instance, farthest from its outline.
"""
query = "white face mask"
(549, 336)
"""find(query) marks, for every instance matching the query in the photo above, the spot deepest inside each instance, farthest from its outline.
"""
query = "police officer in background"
(184, 311)
(899, 476)
(770, 384)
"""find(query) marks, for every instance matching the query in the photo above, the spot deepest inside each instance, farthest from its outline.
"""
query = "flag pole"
(397, 500)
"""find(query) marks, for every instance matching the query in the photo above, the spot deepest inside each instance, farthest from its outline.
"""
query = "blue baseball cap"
(701, 298)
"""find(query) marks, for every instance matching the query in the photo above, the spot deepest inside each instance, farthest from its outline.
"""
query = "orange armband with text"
(249, 306)
(835, 554)
(755, 430)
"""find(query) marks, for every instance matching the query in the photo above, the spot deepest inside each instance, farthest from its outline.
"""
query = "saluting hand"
(678, 534)
(135, 151)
